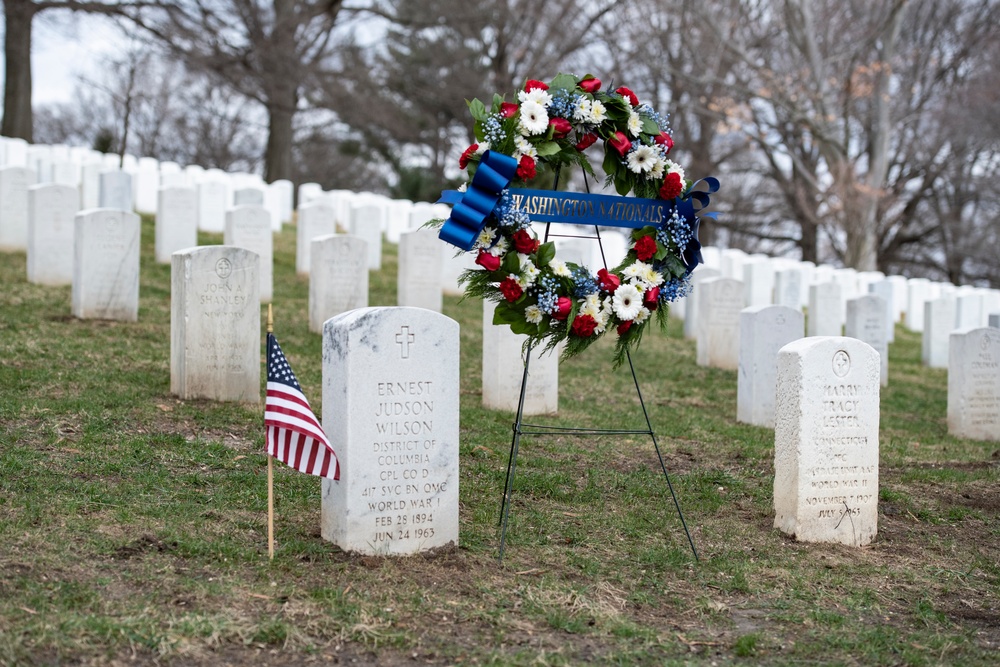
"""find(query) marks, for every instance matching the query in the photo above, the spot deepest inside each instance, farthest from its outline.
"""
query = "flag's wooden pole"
(270, 469)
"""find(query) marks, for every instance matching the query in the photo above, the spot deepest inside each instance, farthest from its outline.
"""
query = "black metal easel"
(519, 426)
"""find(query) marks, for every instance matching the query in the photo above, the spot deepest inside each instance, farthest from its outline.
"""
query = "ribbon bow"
(472, 207)
(688, 208)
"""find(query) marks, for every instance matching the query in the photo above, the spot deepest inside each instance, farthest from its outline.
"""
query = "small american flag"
(294, 435)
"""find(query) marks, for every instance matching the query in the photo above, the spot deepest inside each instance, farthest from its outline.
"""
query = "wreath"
(550, 126)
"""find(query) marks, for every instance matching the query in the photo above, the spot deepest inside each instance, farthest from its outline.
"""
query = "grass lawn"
(133, 524)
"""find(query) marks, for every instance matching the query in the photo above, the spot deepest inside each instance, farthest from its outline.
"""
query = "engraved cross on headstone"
(403, 339)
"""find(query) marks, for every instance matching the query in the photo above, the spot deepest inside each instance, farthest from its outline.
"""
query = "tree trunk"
(17, 118)
(278, 157)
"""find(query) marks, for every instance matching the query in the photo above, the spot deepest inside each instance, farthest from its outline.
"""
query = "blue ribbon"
(472, 207)
(688, 209)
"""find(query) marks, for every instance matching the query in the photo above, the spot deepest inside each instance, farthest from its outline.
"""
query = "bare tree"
(265, 51)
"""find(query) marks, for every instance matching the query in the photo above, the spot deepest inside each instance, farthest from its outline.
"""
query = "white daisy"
(524, 147)
(533, 314)
(535, 95)
(463, 187)
(529, 272)
(634, 124)
(486, 237)
(627, 301)
(641, 316)
(534, 118)
(559, 268)
(483, 147)
(656, 173)
(650, 277)
(591, 305)
(636, 270)
(598, 114)
(674, 168)
(642, 159)
(583, 109)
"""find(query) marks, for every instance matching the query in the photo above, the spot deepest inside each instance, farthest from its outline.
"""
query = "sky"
(65, 47)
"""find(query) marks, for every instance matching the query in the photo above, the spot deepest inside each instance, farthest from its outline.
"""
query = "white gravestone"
(338, 280)
(885, 291)
(366, 223)
(147, 184)
(115, 190)
(90, 184)
(418, 280)
(788, 288)
(454, 263)
(995, 320)
(866, 321)
(390, 410)
(826, 448)
(51, 225)
(917, 292)
(248, 197)
(503, 371)
(758, 281)
(974, 384)
(106, 265)
(215, 324)
(763, 331)
(250, 227)
(176, 221)
(968, 309)
(316, 218)
(14, 184)
(720, 301)
(939, 322)
(212, 206)
(691, 300)
(825, 310)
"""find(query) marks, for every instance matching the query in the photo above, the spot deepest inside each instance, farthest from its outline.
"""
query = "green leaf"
(611, 160)
(622, 186)
(522, 327)
(478, 110)
(506, 313)
(675, 265)
(546, 253)
(649, 126)
(511, 263)
(497, 101)
(547, 148)
(661, 252)
(566, 81)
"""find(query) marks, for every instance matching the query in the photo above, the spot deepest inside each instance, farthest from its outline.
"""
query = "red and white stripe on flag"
(294, 436)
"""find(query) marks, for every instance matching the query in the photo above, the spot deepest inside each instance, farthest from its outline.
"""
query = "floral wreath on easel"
(551, 301)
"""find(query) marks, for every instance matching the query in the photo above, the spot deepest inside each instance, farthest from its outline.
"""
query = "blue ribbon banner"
(472, 207)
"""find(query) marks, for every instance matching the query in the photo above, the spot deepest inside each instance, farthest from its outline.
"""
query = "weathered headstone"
(758, 281)
(212, 206)
(215, 324)
(720, 301)
(503, 371)
(279, 200)
(14, 184)
(248, 197)
(390, 410)
(691, 300)
(250, 227)
(885, 291)
(825, 310)
(974, 384)
(366, 223)
(788, 288)
(866, 321)
(763, 331)
(51, 214)
(939, 322)
(968, 309)
(106, 265)
(147, 184)
(826, 447)
(176, 221)
(315, 218)
(338, 279)
(418, 281)
(115, 190)
(917, 292)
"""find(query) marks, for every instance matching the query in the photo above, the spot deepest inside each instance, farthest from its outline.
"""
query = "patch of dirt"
(141, 545)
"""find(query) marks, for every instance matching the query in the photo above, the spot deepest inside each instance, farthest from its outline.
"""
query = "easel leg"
(515, 442)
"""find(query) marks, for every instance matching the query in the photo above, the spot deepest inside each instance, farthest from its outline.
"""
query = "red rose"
(609, 282)
(488, 261)
(508, 109)
(524, 242)
(562, 127)
(629, 95)
(672, 186)
(583, 326)
(651, 298)
(620, 143)
(591, 85)
(511, 290)
(563, 306)
(463, 161)
(526, 168)
(624, 326)
(532, 84)
(664, 140)
(645, 248)
(586, 141)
